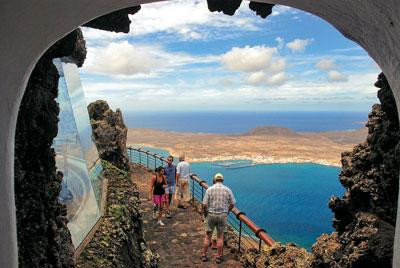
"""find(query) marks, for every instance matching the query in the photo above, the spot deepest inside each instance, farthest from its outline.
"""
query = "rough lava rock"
(365, 217)
(43, 237)
(227, 7)
(277, 256)
(109, 133)
(72, 48)
(262, 9)
(120, 20)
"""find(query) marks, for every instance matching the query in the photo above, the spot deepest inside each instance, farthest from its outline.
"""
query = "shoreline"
(262, 145)
(256, 160)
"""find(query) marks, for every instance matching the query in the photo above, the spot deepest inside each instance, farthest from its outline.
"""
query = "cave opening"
(359, 192)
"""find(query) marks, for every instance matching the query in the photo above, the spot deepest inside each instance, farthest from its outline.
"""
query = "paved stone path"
(179, 242)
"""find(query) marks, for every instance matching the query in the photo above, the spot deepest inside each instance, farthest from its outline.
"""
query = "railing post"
(193, 190)
(155, 162)
(240, 234)
(147, 159)
(140, 157)
(202, 191)
(259, 245)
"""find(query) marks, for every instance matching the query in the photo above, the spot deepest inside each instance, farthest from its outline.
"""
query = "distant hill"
(343, 137)
(271, 131)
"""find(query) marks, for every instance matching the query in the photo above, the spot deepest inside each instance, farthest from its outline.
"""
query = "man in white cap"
(217, 203)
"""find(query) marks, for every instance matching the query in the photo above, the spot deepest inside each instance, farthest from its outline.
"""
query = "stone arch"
(28, 28)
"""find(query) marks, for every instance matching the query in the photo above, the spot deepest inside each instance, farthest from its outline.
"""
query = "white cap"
(218, 177)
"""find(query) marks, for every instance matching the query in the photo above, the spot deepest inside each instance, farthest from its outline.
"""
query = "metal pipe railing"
(245, 229)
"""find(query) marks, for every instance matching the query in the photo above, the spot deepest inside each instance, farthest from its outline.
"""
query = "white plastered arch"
(28, 28)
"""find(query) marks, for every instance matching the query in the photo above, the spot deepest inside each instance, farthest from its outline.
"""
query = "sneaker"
(160, 223)
(168, 215)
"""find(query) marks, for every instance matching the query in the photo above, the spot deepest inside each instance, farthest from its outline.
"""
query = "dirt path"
(179, 242)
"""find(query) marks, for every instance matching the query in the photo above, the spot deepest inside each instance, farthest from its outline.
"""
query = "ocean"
(290, 201)
(241, 122)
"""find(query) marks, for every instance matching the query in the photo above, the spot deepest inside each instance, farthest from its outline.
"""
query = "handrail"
(260, 233)
(239, 215)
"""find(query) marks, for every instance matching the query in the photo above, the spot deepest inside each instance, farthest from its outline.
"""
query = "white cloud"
(208, 94)
(188, 19)
(121, 59)
(94, 37)
(280, 10)
(125, 60)
(265, 78)
(326, 64)
(262, 64)
(249, 59)
(336, 76)
(298, 45)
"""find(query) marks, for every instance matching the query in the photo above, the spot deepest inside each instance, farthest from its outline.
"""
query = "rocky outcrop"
(230, 7)
(120, 20)
(227, 7)
(119, 241)
(277, 256)
(43, 237)
(262, 9)
(364, 218)
(109, 133)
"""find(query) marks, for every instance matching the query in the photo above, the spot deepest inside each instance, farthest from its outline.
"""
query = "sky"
(178, 56)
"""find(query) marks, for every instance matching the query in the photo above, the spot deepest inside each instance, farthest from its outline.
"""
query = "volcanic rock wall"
(109, 133)
(120, 20)
(42, 233)
(365, 217)
(43, 237)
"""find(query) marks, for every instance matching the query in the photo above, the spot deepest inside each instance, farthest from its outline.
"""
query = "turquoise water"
(289, 201)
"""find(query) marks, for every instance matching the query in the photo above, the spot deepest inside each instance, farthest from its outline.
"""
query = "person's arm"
(165, 181)
(151, 186)
(178, 174)
(232, 200)
(205, 204)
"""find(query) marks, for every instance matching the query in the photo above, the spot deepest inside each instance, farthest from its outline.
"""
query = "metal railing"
(248, 234)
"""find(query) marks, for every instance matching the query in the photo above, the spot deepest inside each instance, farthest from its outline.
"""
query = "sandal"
(204, 258)
(218, 259)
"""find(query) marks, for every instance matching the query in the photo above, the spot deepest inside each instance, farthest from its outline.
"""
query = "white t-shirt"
(183, 168)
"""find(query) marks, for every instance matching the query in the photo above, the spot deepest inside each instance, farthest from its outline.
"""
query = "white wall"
(28, 28)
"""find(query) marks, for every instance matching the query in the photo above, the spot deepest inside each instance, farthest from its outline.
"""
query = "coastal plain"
(265, 144)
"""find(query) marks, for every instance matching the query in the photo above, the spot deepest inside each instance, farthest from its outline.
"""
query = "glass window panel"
(76, 156)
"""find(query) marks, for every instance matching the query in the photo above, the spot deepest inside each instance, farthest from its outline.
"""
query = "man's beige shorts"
(182, 194)
(217, 221)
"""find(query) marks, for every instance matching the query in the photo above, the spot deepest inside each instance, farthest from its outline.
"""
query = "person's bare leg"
(167, 203)
(207, 240)
(220, 244)
(160, 211)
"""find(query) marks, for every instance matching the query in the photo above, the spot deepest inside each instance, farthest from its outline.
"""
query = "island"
(264, 144)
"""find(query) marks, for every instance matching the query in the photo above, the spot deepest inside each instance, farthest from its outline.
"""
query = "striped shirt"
(218, 198)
